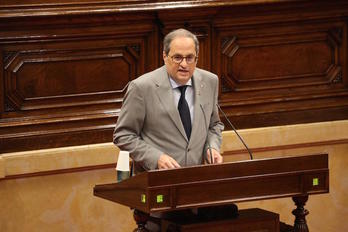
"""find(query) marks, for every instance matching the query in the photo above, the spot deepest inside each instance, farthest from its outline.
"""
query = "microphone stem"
(234, 129)
(211, 155)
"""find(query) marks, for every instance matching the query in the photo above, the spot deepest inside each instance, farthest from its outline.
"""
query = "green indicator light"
(315, 181)
(159, 198)
(143, 198)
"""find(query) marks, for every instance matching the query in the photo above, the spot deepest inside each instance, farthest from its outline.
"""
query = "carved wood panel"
(43, 79)
(65, 65)
(278, 69)
(67, 89)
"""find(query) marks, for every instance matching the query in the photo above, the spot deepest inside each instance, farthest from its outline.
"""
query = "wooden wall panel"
(65, 86)
(272, 69)
(65, 65)
(42, 79)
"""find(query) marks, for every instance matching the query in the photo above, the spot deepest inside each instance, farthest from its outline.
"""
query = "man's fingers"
(218, 158)
(172, 163)
(175, 164)
(167, 162)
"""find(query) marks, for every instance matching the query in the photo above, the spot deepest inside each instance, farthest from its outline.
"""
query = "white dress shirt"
(189, 95)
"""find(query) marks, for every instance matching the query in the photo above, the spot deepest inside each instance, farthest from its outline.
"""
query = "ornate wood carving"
(65, 86)
(300, 213)
(65, 65)
(273, 69)
(337, 78)
(43, 79)
(8, 107)
(278, 61)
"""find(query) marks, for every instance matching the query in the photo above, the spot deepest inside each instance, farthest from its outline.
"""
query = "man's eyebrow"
(177, 54)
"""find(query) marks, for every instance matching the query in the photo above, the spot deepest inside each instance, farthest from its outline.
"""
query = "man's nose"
(183, 62)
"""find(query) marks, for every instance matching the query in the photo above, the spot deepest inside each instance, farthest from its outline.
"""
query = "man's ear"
(164, 56)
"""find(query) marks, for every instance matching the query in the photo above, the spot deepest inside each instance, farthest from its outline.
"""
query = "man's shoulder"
(206, 74)
(149, 77)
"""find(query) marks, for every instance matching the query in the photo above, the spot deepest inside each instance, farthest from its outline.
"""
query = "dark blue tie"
(184, 111)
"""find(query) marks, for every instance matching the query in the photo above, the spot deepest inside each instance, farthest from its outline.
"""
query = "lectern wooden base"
(161, 191)
(249, 220)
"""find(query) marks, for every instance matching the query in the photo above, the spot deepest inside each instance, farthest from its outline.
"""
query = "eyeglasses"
(190, 59)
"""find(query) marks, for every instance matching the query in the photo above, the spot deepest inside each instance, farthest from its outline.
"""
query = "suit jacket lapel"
(165, 94)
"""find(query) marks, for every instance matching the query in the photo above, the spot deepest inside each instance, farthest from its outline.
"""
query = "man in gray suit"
(164, 125)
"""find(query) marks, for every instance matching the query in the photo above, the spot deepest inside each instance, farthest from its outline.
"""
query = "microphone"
(205, 120)
(235, 131)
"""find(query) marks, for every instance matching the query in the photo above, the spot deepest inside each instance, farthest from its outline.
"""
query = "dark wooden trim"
(72, 138)
(63, 79)
(254, 119)
(95, 7)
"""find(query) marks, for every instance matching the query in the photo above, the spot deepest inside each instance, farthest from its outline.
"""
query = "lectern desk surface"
(218, 184)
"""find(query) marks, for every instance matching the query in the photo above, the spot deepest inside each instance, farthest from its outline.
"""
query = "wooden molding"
(65, 65)
(21, 8)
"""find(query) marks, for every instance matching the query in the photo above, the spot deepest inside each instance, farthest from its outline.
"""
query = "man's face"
(183, 71)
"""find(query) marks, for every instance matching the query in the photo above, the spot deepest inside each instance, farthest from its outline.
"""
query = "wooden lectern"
(220, 184)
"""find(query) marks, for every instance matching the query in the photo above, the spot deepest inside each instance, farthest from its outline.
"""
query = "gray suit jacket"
(149, 123)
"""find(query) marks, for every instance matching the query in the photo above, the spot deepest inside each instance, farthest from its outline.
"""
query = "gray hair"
(179, 33)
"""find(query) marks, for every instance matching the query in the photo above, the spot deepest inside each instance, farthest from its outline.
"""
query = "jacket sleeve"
(127, 133)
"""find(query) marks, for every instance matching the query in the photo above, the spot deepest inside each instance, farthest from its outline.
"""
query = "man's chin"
(184, 80)
(184, 76)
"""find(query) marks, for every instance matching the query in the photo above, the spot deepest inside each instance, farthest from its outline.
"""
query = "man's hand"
(217, 158)
(167, 162)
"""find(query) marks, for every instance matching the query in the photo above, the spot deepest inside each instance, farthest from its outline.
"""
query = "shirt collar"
(176, 85)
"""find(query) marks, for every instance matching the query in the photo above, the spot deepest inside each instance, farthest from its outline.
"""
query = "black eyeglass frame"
(182, 58)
